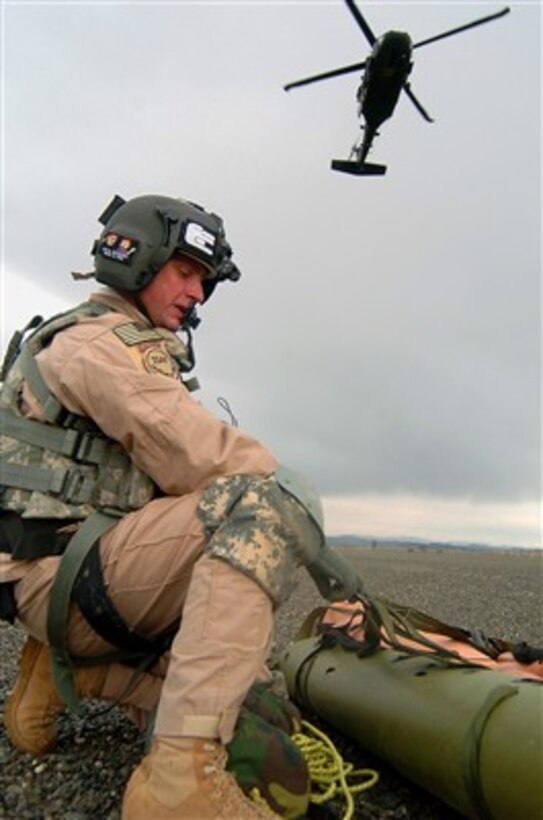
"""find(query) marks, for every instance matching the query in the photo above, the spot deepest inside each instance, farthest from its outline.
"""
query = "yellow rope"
(328, 771)
(257, 798)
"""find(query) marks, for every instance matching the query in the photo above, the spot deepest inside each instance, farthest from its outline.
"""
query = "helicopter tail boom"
(348, 166)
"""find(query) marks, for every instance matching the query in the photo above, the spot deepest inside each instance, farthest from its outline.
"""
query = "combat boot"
(34, 703)
(185, 779)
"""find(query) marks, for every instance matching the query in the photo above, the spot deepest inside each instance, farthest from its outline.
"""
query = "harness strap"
(57, 616)
(90, 595)
(413, 620)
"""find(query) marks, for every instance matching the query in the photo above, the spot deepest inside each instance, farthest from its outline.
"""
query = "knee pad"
(261, 529)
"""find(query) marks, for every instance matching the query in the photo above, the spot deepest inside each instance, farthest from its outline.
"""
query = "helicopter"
(385, 74)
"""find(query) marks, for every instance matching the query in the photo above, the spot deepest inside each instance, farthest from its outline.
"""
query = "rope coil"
(328, 771)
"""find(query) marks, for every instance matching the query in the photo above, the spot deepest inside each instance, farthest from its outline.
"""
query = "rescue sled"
(456, 712)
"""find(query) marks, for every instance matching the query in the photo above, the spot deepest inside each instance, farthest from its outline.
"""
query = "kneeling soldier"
(132, 519)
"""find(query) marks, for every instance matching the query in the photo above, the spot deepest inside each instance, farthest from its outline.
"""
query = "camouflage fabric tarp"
(264, 757)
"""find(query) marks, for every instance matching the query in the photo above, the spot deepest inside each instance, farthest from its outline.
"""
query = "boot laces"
(217, 759)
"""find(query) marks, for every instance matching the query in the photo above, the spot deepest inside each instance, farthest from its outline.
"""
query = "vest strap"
(69, 442)
(73, 485)
(52, 408)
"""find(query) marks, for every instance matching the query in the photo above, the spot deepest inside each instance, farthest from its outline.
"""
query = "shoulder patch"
(156, 360)
(133, 334)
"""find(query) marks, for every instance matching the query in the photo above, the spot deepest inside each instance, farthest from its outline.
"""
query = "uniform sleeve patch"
(156, 360)
(147, 349)
(131, 334)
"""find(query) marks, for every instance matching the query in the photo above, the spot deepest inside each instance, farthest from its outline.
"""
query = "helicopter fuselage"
(384, 76)
(386, 71)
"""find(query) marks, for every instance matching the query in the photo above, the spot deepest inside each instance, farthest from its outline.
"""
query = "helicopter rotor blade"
(357, 14)
(479, 22)
(335, 72)
(416, 103)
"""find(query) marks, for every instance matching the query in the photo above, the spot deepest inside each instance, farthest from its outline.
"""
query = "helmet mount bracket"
(113, 206)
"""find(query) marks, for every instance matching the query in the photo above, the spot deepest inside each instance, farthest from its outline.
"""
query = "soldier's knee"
(261, 528)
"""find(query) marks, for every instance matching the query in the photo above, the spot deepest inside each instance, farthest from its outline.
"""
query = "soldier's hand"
(334, 576)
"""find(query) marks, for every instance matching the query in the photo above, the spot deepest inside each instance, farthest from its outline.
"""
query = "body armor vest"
(62, 467)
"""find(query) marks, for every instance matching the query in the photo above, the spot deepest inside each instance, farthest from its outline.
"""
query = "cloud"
(458, 520)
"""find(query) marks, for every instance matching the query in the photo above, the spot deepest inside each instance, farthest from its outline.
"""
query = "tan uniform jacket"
(131, 391)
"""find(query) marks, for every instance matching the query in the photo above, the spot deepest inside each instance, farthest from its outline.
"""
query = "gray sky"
(385, 335)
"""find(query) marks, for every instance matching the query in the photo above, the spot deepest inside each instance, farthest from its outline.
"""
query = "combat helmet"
(141, 234)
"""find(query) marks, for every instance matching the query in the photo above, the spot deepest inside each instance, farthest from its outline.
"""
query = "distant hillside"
(408, 543)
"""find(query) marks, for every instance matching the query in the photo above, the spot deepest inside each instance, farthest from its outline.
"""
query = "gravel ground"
(83, 779)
